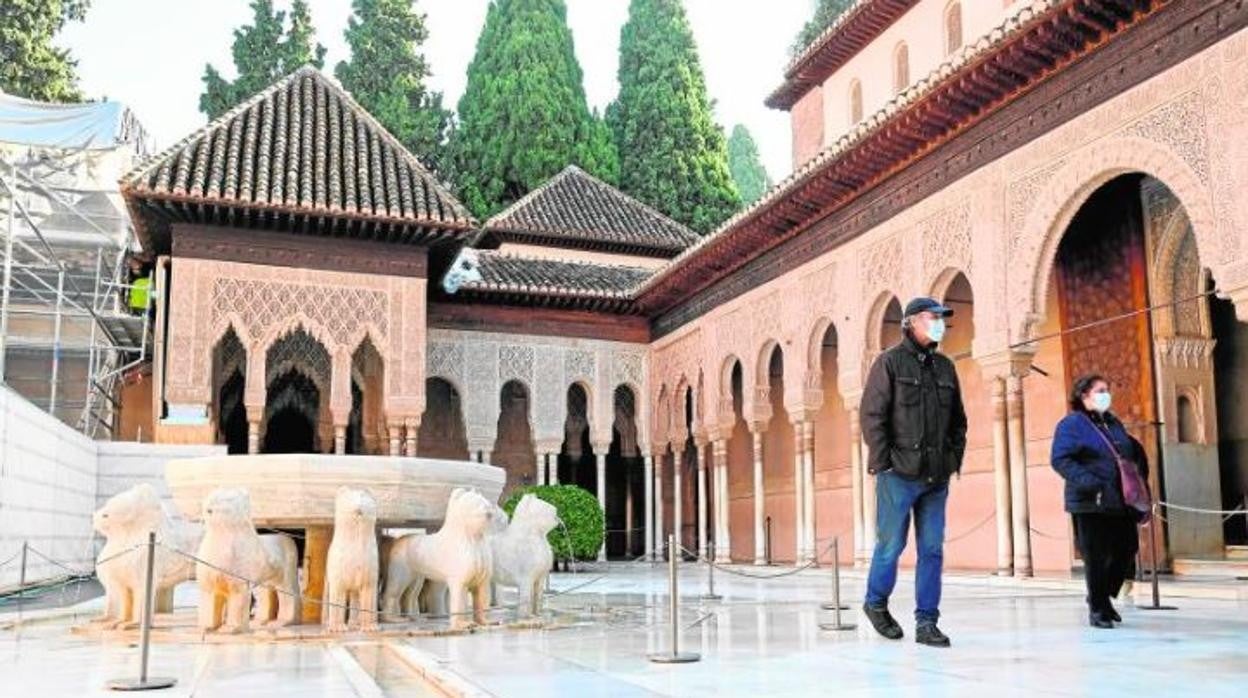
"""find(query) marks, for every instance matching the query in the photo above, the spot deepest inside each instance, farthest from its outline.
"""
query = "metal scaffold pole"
(8, 271)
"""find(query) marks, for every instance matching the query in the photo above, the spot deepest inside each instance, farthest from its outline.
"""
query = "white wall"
(52, 478)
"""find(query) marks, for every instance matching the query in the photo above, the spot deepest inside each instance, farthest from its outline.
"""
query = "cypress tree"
(30, 65)
(746, 165)
(386, 74)
(264, 52)
(826, 12)
(523, 116)
(673, 155)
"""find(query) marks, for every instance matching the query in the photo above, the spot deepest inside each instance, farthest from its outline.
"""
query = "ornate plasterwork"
(946, 239)
(343, 311)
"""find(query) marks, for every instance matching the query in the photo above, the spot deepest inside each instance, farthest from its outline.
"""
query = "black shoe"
(1112, 614)
(883, 622)
(1099, 619)
(930, 635)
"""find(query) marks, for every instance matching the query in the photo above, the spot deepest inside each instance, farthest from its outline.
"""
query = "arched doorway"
(366, 429)
(576, 457)
(229, 368)
(1130, 247)
(513, 447)
(297, 395)
(740, 471)
(779, 484)
(626, 524)
(834, 507)
(442, 433)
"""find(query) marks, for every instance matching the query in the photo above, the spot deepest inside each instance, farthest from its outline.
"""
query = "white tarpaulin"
(88, 125)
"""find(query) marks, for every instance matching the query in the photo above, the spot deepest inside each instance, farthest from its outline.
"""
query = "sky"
(150, 55)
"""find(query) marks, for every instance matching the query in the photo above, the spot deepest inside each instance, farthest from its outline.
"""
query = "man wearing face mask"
(914, 426)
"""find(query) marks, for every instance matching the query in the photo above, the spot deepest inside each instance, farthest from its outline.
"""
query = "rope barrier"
(787, 573)
(1238, 511)
(991, 515)
(12, 558)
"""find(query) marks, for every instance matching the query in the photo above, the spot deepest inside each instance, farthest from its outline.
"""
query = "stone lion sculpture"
(235, 555)
(457, 557)
(522, 554)
(351, 565)
(125, 520)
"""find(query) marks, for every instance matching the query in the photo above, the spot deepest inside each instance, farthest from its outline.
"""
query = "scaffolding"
(68, 333)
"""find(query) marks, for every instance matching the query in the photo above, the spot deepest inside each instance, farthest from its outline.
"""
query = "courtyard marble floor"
(762, 639)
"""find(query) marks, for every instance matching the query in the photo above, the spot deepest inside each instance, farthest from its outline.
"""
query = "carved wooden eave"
(857, 27)
(1038, 42)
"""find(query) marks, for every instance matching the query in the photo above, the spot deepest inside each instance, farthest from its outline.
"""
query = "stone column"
(255, 418)
(868, 504)
(395, 431)
(799, 493)
(340, 439)
(760, 552)
(811, 554)
(540, 477)
(678, 505)
(704, 451)
(1001, 479)
(1018, 475)
(651, 532)
(411, 428)
(856, 485)
(659, 537)
(600, 455)
(723, 538)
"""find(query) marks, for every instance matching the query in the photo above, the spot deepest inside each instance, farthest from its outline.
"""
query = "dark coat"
(1087, 464)
(913, 420)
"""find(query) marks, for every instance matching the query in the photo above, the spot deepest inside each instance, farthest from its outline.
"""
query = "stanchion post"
(767, 541)
(1152, 563)
(835, 606)
(21, 580)
(675, 656)
(710, 594)
(145, 682)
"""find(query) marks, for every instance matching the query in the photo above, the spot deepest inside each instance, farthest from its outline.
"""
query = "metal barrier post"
(675, 656)
(710, 594)
(145, 682)
(21, 580)
(1152, 564)
(836, 606)
(767, 541)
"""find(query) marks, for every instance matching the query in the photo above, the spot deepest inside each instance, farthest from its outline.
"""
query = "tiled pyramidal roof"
(606, 287)
(575, 209)
(302, 156)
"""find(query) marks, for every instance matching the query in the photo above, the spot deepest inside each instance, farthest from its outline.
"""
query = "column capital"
(1008, 363)
(548, 446)
(601, 448)
(255, 413)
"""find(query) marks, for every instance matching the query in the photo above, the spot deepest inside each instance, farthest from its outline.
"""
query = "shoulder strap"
(1108, 442)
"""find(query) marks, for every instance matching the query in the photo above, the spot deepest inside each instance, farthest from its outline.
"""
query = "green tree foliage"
(746, 165)
(826, 12)
(264, 52)
(582, 518)
(387, 73)
(523, 116)
(30, 66)
(673, 155)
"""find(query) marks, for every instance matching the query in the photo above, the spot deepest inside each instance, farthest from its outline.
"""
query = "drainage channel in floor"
(391, 674)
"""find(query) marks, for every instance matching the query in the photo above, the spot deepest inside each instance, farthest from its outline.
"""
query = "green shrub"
(580, 513)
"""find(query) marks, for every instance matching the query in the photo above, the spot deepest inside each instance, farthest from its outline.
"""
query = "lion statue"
(351, 565)
(233, 556)
(456, 558)
(522, 554)
(125, 520)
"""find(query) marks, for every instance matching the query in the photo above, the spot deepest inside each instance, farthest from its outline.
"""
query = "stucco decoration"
(946, 237)
(457, 556)
(125, 521)
(233, 557)
(522, 554)
(351, 566)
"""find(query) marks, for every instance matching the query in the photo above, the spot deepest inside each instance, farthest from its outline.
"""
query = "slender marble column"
(810, 553)
(799, 494)
(723, 541)
(760, 551)
(651, 527)
(1001, 479)
(1018, 477)
(678, 500)
(660, 537)
(600, 452)
(856, 489)
(704, 450)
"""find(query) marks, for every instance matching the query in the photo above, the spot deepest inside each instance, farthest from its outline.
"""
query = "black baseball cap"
(922, 305)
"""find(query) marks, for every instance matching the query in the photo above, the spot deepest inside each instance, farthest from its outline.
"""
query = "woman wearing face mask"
(1083, 454)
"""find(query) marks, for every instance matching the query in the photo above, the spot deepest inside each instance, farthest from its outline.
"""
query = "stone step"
(1210, 567)
(1237, 552)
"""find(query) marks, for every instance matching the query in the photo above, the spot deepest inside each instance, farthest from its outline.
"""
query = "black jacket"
(1087, 464)
(912, 416)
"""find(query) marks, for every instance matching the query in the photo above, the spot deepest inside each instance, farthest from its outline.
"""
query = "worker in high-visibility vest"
(140, 286)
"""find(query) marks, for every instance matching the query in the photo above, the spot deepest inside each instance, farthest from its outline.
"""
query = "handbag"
(1135, 492)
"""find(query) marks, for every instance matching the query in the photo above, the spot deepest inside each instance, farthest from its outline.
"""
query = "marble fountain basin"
(297, 490)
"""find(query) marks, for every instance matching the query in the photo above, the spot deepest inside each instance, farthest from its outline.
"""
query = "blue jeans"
(895, 498)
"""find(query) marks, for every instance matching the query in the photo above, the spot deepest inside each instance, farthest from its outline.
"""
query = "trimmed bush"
(580, 513)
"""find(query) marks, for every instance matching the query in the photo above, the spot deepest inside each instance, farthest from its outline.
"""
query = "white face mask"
(1101, 402)
(936, 329)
